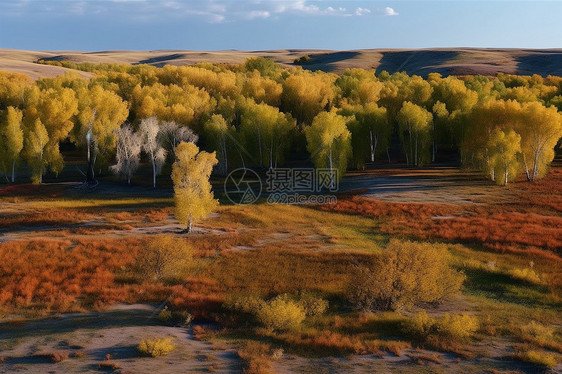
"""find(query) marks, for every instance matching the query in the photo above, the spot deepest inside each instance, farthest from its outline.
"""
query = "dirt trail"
(445, 185)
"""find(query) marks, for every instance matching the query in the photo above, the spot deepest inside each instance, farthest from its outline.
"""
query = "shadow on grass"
(72, 322)
(502, 287)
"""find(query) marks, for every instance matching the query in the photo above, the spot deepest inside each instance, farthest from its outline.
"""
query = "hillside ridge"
(446, 61)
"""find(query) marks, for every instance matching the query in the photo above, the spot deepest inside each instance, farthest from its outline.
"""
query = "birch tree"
(329, 143)
(149, 130)
(11, 140)
(55, 109)
(219, 134)
(127, 156)
(36, 141)
(101, 113)
(415, 125)
(376, 127)
(540, 130)
(265, 128)
(171, 135)
(503, 148)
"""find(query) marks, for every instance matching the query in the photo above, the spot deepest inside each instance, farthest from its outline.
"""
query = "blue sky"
(94, 25)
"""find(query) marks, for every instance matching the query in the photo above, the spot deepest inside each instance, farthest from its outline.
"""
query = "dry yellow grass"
(457, 61)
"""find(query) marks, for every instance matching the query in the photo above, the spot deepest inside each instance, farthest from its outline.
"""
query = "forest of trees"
(259, 114)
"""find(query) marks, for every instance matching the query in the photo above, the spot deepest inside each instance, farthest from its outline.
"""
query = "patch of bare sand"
(115, 332)
(409, 361)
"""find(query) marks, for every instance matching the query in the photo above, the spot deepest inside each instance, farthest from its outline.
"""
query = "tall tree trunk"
(225, 156)
(241, 158)
(536, 166)
(189, 225)
(416, 161)
(153, 171)
(259, 146)
(527, 174)
(373, 145)
(13, 170)
(331, 170)
(90, 177)
(271, 154)
(433, 142)
(411, 150)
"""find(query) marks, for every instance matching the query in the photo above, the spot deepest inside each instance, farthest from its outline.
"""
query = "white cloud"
(257, 14)
(362, 11)
(212, 11)
(388, 11)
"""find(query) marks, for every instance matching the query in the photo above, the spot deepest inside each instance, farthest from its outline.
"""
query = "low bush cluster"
(451, 327)
(540, 358)
(164, 257)
(526, 274)
(407, 274)
(281, 313)
(257, 357)
(156, 347)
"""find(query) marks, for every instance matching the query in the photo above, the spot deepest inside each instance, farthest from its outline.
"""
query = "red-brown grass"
(498, 228)
(50, 217)
(55, 274)
(33, 190)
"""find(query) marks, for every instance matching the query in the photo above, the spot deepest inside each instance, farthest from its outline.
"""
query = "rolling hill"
(450, 61)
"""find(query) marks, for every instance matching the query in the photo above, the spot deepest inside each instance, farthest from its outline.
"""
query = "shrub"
(420, 326)
(452, 327)
(256, 356)
(526, 274)
(534, 331)
(248, 304)
(156, 347)
(54, 357)
(59, 356)
(538, 358)
(165, 315)
(313, 306)
(457, 326)
(277, 353)
(109, 365)
(305, 59)
(281, 314)
(164, 257)
(407, 274)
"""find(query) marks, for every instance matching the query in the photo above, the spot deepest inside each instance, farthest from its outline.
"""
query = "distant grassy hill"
(450, 61)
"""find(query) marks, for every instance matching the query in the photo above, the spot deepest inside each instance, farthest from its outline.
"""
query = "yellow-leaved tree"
(101, 113)
(503, 148)
(329, 143)
(36, 139)
(11, 140)
(192, 189)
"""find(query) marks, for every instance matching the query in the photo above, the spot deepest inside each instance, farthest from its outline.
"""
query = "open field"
(506, 240)
(457, 61)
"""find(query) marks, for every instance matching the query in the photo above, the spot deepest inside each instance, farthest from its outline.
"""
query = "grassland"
(69, 252)
(454, 61)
